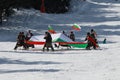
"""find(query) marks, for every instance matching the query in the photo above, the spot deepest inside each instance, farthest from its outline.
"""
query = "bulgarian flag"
(76, 27)
(50, 29)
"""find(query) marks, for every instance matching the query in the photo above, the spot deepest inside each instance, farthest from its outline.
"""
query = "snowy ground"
(102, 15)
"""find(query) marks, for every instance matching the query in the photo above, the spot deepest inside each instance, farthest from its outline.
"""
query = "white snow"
(75, 64)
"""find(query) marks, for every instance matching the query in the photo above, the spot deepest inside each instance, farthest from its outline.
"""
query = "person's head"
(92, 30)
(22, 32)
(46, 32)
(71, 32)
(29, 31)
(63, 32)
(88, 33)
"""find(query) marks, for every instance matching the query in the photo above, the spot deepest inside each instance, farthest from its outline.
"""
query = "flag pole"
(42, 8)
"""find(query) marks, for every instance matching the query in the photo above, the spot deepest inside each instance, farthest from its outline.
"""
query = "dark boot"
(52, 48)
(47, 48)
(15, 48)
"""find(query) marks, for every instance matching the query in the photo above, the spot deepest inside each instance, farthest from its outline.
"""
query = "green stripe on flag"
(58, 40)
(76, 26)
(50, 28)
(79, 45)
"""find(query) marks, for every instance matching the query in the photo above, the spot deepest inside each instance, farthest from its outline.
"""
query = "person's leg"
(47, 48)
(44, 48)
(25, 46)
(88, 46)
(33, 46)
(94, 47)
(52, 48)
(15, 47)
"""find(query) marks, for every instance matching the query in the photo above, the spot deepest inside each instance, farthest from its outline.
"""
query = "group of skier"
(48, 40)
(91, 39)
(22, 38)
(71, 35)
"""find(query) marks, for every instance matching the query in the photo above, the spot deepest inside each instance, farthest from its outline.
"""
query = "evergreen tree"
(51, 6)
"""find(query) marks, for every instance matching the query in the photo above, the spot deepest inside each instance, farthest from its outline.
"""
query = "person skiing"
(72, 36)
(64, 33)
(21, 41)
(88, 41)
(94, 35)
(104, 41)
(29, 35)
(48, 41)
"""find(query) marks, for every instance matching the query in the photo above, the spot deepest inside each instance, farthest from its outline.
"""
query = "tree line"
(51, 6)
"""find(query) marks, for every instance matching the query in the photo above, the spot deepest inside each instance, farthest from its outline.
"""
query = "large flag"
(56, 38)
(76, 27)
(50, 29)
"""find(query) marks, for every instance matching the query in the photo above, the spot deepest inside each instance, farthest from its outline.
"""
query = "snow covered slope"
(88, 13)
(101, 15)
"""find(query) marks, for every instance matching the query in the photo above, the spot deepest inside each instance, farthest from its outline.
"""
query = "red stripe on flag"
(71, 43)
(35, 42)
(75, 28)
(52, 31)
(41, 43)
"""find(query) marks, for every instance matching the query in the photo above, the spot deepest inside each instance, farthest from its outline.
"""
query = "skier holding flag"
(72, 36)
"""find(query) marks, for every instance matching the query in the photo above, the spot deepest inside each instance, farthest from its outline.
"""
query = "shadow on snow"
(29, 70)
(21, 62)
